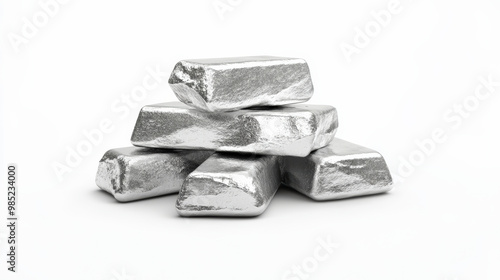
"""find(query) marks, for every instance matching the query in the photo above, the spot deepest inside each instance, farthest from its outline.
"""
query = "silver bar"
(133, 173)
(340, 170)
(293, 130)
(230, 185)
(228, 84)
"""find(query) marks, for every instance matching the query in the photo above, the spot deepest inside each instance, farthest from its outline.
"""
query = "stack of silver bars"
(235, 139)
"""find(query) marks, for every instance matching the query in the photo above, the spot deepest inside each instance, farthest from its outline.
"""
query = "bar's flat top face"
(342, 148)
(231, 163)
(126, 151)
(242, 60)
(134, 151)
(285, 110)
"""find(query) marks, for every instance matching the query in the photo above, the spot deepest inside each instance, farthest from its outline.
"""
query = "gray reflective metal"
(135, 173)
(340, 170)
(293, 130)
(230, 185)
(228, 84)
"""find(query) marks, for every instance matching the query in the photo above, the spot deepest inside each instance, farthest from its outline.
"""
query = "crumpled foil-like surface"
(228, 84)
(134, 173)
(293, 130)
(340, 170)
(230, 185)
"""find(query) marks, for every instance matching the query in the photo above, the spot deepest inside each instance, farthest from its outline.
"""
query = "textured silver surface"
(228, 84)
(230, 185)
(340, 170)
(135, 173)
(293, 130)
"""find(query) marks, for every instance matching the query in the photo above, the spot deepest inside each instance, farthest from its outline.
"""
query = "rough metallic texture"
(230, 185)
(135, 173)
(228, 84)
(293, 130)
(340, 170)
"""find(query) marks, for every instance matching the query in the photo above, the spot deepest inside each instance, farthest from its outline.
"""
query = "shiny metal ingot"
(339, 170)
(135, 173)
(230, 185)
(228, 84)
(293, 130)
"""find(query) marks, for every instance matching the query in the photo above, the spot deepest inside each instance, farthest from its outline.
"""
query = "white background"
(440, 222)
